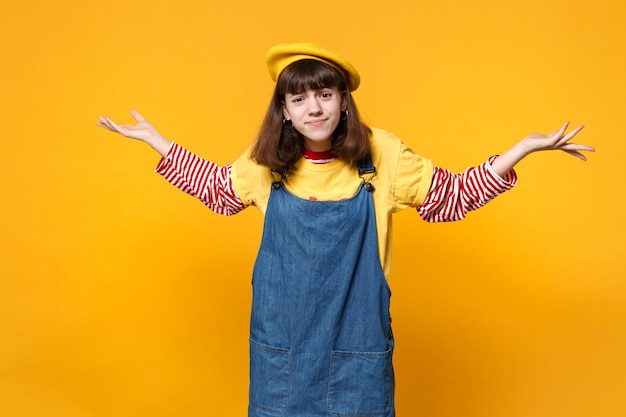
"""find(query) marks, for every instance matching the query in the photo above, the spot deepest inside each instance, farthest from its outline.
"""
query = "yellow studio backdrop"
(121, 296)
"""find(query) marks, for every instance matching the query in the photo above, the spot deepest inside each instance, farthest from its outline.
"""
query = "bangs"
(309, 74)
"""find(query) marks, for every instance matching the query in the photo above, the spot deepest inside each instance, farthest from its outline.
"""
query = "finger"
(562, 130)
(136, 115)
(570, 135)
(555, 138)
(104, 122)
(112, 125)
(577, 147)
(575, 154)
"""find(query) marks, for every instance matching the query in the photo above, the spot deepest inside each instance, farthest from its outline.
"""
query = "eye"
(326, 94)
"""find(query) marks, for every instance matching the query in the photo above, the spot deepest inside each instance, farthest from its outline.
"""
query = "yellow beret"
(279, 56)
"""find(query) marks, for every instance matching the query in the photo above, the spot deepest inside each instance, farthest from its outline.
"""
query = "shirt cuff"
(508, 181)
(165, 162)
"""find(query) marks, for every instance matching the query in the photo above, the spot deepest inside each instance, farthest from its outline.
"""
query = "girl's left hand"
(557, 140)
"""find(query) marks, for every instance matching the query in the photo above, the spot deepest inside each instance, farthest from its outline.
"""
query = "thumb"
(136, 115)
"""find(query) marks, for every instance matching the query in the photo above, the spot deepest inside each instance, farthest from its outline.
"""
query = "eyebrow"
(310, 89)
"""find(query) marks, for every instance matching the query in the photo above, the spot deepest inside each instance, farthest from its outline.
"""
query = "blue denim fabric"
(320, 334)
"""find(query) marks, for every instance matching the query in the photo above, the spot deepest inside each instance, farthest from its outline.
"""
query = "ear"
(344, 102)
(286, 113)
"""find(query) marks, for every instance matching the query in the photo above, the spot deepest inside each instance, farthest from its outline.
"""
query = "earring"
(344, 115)
(287, 123)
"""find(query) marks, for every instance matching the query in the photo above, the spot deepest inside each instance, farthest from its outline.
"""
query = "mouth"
(317, 122)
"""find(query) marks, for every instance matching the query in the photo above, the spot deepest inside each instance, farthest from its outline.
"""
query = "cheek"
(291, 112)
(337, 112)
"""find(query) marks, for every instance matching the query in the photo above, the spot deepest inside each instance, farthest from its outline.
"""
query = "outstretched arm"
(451, 196)
(203, 179)
(557, 140)
(143, 131)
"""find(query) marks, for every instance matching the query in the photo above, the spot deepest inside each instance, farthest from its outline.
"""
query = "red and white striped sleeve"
(452, 196)
(202, 179)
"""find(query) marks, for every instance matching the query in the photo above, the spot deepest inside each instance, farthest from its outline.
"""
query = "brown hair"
(279, 146)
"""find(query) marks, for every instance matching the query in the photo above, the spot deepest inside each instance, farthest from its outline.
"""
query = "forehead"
(306, 75)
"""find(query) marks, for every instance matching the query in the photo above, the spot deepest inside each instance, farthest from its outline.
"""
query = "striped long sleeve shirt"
(450, 198)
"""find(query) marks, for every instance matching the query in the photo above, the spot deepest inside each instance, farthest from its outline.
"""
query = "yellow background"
(121, 296)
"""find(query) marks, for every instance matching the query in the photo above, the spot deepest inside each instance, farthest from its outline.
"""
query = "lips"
(316, 122)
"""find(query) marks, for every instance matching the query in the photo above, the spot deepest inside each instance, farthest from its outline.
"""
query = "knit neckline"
(319, 157)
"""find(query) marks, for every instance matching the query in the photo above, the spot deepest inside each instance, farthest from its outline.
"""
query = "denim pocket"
(270, 372)
(360, 384)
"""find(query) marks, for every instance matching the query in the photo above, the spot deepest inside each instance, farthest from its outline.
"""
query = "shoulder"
(381, 139)
(408, 173)
(385, 147)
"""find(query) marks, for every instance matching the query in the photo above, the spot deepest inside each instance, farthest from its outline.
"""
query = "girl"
(320, 336)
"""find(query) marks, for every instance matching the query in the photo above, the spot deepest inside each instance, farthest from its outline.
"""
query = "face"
(315, 114)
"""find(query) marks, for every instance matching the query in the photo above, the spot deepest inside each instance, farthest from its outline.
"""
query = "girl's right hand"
(143, 131)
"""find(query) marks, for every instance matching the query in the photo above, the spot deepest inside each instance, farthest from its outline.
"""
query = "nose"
(314, 106)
